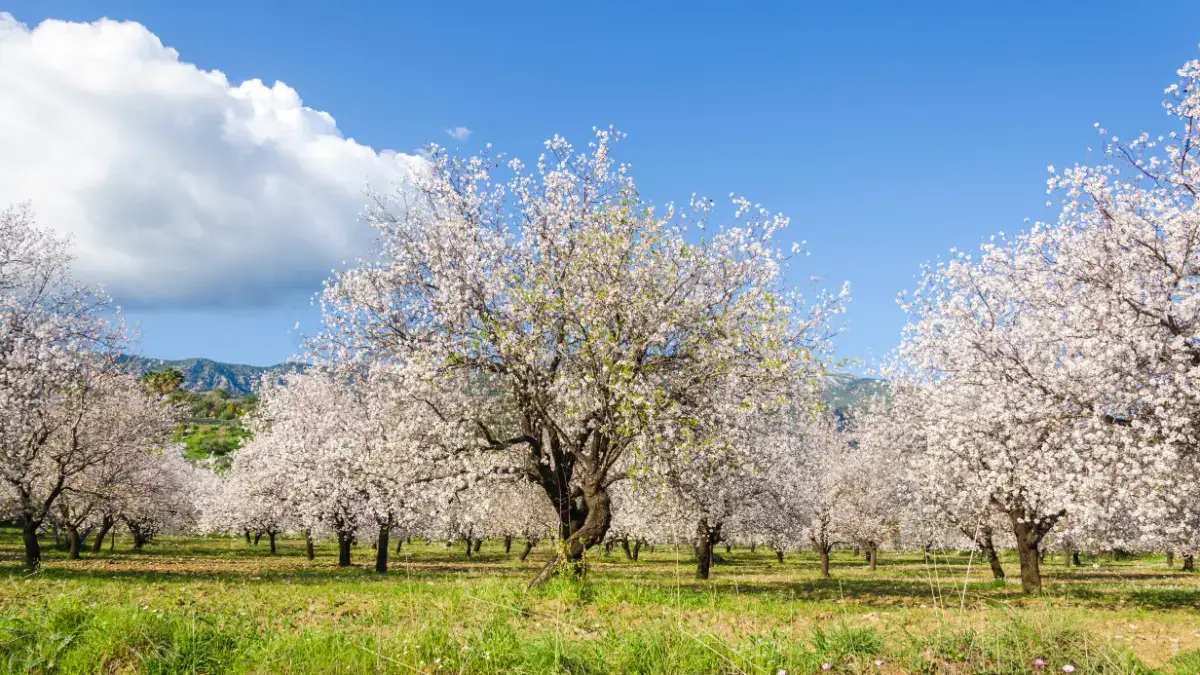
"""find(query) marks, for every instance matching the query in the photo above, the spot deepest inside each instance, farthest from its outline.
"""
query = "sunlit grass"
(217, 605)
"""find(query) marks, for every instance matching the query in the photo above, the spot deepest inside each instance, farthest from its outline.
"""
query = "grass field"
(218, 605)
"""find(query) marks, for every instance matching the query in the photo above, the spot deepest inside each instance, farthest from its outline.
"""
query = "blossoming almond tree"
(584, 316)
(56, 354)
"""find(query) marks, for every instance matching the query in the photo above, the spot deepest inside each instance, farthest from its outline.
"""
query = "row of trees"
(544, 345)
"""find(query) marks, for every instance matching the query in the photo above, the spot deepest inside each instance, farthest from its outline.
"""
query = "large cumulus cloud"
(177, 186)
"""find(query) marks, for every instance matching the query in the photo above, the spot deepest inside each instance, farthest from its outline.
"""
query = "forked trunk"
(1029, 534)
(591, 532)
(381, 550)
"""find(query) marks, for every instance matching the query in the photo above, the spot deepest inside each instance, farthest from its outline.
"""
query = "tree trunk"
(873, 555)
(753, 548)
(271, 537)
(1075, 559)
(468, 541)
(381, 550)
(1170, 558)
(478, 544)
(105, 525)
(343, 550)
(706, 538)
(779, 556)
(73, 542)
(526, 550)
(1029, 537)
(308, 545)
(399, 543)
(985, 539)
(598, 507)
(257, 536)
(928, 552)
(728, 547)
(507, 544)
(637, 549)
(33, 550)
(1189, 562)
(247, 536)
(625, 547)
(1067, 556)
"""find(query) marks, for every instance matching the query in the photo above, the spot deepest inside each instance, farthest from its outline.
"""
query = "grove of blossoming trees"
(81, 444)
(585, 331)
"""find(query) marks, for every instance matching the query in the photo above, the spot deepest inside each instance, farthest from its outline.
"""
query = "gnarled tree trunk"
(598, 509)
(525, 551)
(33, 549)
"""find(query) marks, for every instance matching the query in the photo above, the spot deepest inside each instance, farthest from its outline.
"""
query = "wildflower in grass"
(1068, 668)
(1039, 663)
(825, 666)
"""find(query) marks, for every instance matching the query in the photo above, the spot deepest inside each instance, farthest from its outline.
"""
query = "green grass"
(217, 605)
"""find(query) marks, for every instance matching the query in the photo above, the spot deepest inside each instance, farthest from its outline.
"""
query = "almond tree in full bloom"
(592, 326)
(136, 467)
(56, 356)
(1063, 362)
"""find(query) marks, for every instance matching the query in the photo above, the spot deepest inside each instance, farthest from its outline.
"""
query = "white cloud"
(178, 187)
(459, 133)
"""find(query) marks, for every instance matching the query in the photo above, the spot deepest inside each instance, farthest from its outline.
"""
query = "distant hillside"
(206, 374)
(843, 390)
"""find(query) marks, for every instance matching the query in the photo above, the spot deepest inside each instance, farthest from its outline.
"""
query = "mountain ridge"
(842, 390)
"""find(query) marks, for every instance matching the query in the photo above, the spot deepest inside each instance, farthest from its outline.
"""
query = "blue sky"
(889, 134)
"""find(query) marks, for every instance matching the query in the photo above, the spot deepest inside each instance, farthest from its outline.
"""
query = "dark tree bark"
(247, 536)
(507, 544)
(779, 556)
(399, 543)
(597, 510)
(271, 537)
(873, 554)
(73, 542)
(257, 536)
(525, 551)
(343, 549)
(1029, 534)
(988, 545)
(1075, 559)
(707, 536)
(468, 542)
(625, 547)
(753, 548)
(308, 545)
(823, 551)
(728, 547)
(381, 550)
(1189, 562)
(105, 525)
(928, 552)
(637, 549)
(478, 544)
(33, 550)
